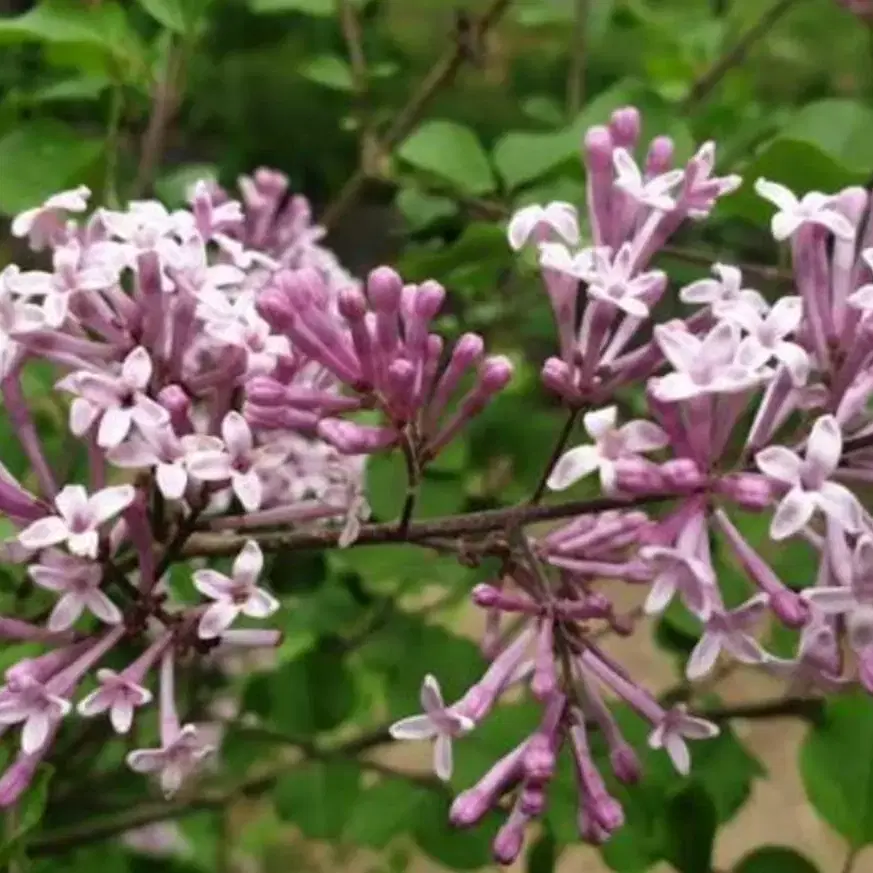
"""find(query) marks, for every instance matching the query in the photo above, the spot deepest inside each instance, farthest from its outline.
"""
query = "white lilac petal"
(442, 757)
(216, 619)
(573, 466)
(249, 489)
(824, 446)
(600, 422)
(431, 696)
(109, 502)
(780, 463)
(72, 502)
(677, 750)
(260, 604)
(213, 584)
(792, 514)
(415, 727)
(237, 434)
(840, 505)
(249, 563)
(43, 533)
(704, 655)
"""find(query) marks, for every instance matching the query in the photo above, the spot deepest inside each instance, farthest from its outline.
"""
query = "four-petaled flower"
(78, 520)
(161, 448)
(610, 444)
(174, 760)
(809, 482)
(675, 727)
(766, 338)
(75, 271)
(118, 401)
(654, 192)
(703, 366)
(45, 224)
(241, 462)
(814, 208)
(78, 582)
(234, 595)
(610, 281)
(727, 630)
(28, 700)
(541, 223)
(117, 693)
(436, 722)
(725, 293)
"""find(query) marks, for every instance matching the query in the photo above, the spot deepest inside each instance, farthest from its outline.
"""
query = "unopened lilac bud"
(750, 491)
(400, 389)
(682, 474)
(351, 304)
(309, 289)
(265, 391)
(625, 127)
(509, 841)
(636, 475)
(495, 374)
(539, 758)
(275, 308)
(625, 764)
(607, 812)
(545, 677)
(598, 149)
(790, 609)
(533, 800)
(558, 378)
(590, 830)
(356, 439)
(660, 156)
(384, 289)
(486, 595)
(428, 300)
(467, 350)
(492, 597)
(176, 401)
(468, 808)
(18, 777)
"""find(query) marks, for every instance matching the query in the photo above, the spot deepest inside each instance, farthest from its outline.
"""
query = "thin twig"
(484, 521)
(578, 60)
(764, 272)
(808, 708)
(735, 55)
(413, 482)
(557, 451)
(440, 75)
(165, 103)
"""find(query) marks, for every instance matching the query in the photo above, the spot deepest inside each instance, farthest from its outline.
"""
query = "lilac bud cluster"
(754, 406)
(151, 319)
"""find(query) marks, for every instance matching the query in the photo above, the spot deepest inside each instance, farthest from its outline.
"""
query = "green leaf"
(102, 26)
(841, 129)
(775, 859)
(168, 13)
(308, 695)
(330, 71)
(722, 767)
(319, 797)
(522, 157)
(691, 827)
(76, 88)
(543, 855)
(451, 152)
(386, 810)
(39, 159)
(422, 210)
(173, 187)
(451, 847)
(836, 764)
(318, 8)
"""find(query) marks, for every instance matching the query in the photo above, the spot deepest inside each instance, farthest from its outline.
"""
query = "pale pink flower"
(174, 761)
(767, 341)
(702, 366)
(654, 192)
(44, 224)
(540, 223)
(78, 582)
(74, 272)
(809, 481)
(724, 293)
(814, 208)
(610, 444)
(241, 462)
(118, 402)
(610, 280)
(676, 727)
(78, 520)
(436, 722)
(727, 630)
(118, 694)
(29, 701)
(234, 595)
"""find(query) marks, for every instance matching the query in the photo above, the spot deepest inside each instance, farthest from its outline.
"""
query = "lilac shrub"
(225, 374)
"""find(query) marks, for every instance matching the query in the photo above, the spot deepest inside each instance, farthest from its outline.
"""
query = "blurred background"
(415, 128)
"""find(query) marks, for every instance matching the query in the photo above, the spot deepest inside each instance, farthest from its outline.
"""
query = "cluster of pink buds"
(381, 348)
(151, 319)
(753, 406)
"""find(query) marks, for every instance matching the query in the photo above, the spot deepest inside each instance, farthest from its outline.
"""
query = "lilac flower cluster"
(151, 318)
(753, 406)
